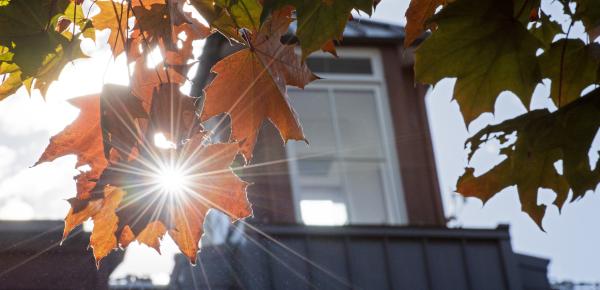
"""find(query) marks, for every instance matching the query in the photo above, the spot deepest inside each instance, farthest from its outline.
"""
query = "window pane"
(314, 110)
(348, 65)
(358, 119)
(323, 212)
(320, 179)
(365, 192)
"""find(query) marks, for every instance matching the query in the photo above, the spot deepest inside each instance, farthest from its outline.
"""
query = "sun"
(171, 180)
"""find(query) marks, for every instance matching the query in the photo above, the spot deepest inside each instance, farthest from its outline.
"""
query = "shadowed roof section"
(364, 257)
(361, 30)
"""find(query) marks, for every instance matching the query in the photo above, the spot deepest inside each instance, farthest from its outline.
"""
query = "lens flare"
(171, 180)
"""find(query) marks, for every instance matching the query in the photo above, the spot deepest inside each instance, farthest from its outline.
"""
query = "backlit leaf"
(571, 65)
(256, 90)
(543, 139)
(486, 31)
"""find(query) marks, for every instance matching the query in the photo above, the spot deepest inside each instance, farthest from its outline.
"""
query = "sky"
(571, 239)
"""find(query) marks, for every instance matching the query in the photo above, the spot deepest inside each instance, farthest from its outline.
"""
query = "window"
(349, 172)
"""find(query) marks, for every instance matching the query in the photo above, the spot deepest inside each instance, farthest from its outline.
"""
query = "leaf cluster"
(113, 137)
(495, 46)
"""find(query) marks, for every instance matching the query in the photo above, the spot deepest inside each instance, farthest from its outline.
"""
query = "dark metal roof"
(354, 257)
(361, 30)
(32, 257)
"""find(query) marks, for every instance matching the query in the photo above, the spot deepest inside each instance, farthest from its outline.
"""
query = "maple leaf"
(145, 80)
(142, 213)
(113, 16)
(74, 14)
(119, 113)
(150, 236)
(11, 79)
(543, 138)
(571, 65)
(417, 14)
(27, 29)
(173, 114)
(255, 91)
(34, 50)
(55, 62)
(486, 31)
(215, 185)
(546, 31)
(319, 21)
(229, 16)
(103, 212)
(587, 11)
(84, 139)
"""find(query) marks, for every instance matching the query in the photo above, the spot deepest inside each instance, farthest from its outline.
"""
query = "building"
(359, 208)
(31, 258)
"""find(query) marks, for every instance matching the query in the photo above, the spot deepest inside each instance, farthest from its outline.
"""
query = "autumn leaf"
(256, 90)
(417, 14)
(103, 239)
(486, 31)
(543, 139)
(113, 16)
(103, 212)
(173, 114)
(319, 21)
(213, 185)
(146, 80)
(152, 235)
(571, 66)
(119, 113)
(84, 139)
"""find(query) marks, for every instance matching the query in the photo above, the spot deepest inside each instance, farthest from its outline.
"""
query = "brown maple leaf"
(133, 207)
(119, 113)
(173, 114)
(417, 14)
(255, 90)
(83, 138)
(214, 185)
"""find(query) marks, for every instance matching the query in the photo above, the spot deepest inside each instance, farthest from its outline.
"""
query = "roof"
(363, 257)
(361, 30)
(33, 257)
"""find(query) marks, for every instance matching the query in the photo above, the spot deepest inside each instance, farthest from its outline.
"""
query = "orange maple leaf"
(255, 90)
(113, 16)
(214, 185)
(417, 14)
(83, 138)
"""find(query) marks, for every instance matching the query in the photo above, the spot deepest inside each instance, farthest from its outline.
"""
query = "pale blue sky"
(571, 240)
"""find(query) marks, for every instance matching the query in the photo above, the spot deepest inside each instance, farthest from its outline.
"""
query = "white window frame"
(394, 197)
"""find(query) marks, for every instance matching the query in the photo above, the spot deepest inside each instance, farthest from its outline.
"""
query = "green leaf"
(10, 84)
(546, 31)
(243, 13)
(27, 28)
(480, 43)
(319, 21)
(543, 138)
(571, 65)
(588, 11)
(229, 16)
(523, 9)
